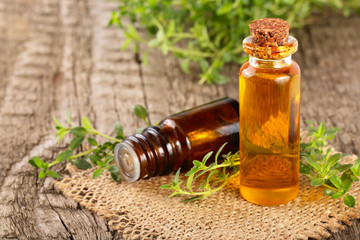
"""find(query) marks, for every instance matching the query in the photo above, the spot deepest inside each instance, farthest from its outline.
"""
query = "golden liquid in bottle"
(269, 133)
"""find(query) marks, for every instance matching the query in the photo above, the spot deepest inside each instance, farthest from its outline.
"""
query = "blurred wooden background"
(56, 54)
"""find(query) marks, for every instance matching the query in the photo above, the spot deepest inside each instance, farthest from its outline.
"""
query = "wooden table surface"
(56, 54)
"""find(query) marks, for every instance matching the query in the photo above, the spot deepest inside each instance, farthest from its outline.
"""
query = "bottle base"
(269, 196)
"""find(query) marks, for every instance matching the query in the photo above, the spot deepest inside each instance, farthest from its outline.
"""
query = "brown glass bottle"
(179, 139)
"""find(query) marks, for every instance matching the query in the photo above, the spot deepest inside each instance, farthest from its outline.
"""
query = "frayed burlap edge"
(141, 210)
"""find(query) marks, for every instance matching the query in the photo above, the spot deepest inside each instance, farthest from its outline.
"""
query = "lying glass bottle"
(179, 139)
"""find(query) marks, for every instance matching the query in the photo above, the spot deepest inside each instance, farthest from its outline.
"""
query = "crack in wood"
(71, 237)
(141, 75)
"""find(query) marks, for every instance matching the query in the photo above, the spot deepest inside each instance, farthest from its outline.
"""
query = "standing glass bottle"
(269, 115)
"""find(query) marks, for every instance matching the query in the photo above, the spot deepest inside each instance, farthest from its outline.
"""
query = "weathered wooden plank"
(329, 57)
(36, 88)
(57, 54)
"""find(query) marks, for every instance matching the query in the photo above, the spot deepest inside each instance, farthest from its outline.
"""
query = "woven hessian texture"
(140, 210)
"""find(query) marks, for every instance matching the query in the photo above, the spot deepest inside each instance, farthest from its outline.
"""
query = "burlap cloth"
(140, 210)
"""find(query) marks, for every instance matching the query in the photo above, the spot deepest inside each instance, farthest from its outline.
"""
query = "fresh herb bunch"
(100, 155)
(322, 167)
(209, 32)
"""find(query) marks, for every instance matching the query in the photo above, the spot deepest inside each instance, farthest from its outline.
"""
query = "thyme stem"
(96, 132)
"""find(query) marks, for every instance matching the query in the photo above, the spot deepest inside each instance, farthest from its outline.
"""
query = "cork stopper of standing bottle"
(269, 39)
(269, 32)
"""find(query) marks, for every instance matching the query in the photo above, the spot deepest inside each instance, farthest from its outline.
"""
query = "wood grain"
(58, 54)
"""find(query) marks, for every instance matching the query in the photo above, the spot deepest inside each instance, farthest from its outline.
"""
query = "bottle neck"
(269, 63)
(148, 154)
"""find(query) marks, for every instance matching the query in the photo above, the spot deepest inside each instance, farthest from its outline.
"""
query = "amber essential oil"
(269, 124)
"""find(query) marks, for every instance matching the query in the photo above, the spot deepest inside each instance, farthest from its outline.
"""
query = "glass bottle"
(269, 115)
(179, 139)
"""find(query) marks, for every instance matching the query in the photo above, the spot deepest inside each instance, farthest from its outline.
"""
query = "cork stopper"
(269, 32)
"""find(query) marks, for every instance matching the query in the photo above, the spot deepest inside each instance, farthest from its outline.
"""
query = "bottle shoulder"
(168, 122)
(248, 71)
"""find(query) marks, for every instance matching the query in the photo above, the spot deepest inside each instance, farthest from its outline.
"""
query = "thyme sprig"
(322, 167)
(208, 32)
(80, 152)
(217, 176)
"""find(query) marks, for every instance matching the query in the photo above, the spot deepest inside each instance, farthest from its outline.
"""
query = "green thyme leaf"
(100, 164)
(176, 177)
(81, 163)
(197, 163)
(94, 159)
(62, 157)
(97, 173)
(355, 179)
(53, 174)
(193, 170)
(206, 157)
(115, 20)
(336, 181)
(312, 163)
(92, 142)
(356, 168)
(42, 173)
(36, 162)
(343, 168)
(32, 163)
(166, 186)
(114, 168)
(86, 123)
(219, 151)
(119, 132)
(332, 161)
(306, 169)
(328, 192)
(79, 131)
(109, 159)
(226, 8)
(114, 172)
(126, 43)
(115, 176)
(317, 182)
(61, 134)
(140, 111)
(349, 201)
(337, 195)
(68, 119)
(76, 142)
(46, 166)
(184, 65)
(132, 32)
(321, 128)
(57, 123)
(189, 182)
(192, 199)
(347, 182)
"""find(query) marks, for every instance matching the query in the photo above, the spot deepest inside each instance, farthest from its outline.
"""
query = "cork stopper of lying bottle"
(269, 32)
